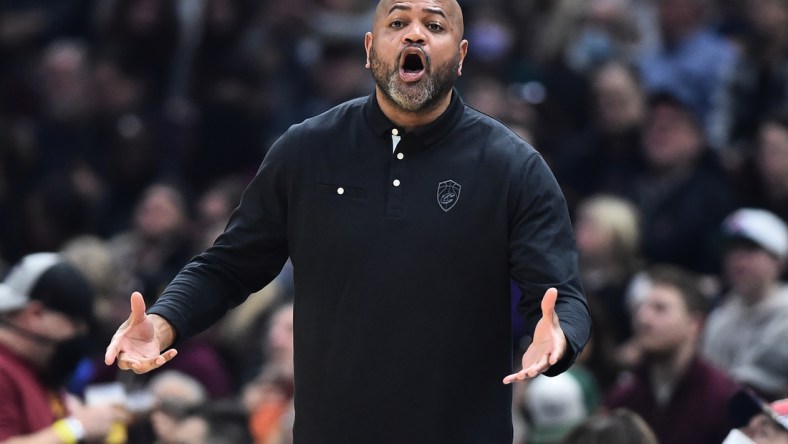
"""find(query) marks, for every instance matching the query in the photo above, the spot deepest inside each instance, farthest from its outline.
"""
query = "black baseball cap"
(49, 278)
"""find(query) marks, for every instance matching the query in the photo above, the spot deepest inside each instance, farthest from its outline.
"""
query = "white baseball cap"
(759, 226)
(555, 405)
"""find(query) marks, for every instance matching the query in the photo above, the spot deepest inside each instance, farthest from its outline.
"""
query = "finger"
(137, 308)
(522, 375)
(165, 357)
(528, 372)
(126, 364)
(111, 353)
(169, 354)
(140, 366)
(548, 303)
(510, 379)
(147, 365)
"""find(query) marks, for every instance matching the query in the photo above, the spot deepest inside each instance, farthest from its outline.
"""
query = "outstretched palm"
(135, 344)
(548, 344)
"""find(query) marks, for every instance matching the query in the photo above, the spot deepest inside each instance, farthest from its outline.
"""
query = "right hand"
(137, 345)
(97, 420)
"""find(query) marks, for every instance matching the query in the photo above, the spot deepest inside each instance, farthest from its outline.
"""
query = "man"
(742, 334)
(674, 383)
(681, 175)
(45, 310)
(757, 421)
(405, 215)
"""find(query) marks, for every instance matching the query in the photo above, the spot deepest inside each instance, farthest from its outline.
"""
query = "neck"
(757, 294)
(669, 367)
(19, 345)
(408, 120)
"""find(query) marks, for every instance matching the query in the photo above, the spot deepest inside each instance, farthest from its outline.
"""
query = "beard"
(423, 95)
(64, 361)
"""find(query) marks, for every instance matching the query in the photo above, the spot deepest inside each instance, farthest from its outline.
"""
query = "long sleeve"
(543, 254)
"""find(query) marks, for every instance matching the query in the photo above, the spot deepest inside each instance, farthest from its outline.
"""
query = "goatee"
(421, 96)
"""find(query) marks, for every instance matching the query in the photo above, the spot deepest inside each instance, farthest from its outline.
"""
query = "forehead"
(665, 294)
(448, 7)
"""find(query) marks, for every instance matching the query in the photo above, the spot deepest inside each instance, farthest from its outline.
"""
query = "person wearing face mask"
(46, 309)
(757, 421)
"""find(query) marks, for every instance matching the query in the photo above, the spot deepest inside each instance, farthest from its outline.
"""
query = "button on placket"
(397, 175)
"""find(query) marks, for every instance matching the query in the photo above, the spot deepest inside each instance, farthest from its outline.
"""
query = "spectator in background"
(683, 176)
(26, 27)
(175, 396)
(608, 241)
(747, 334)
(46, 309)
(66, 134)
(92, 256)
(146, 33)
(692, 60)
(763, 179)
(158, 244)
(133, 150)
(214, 207)
(269, 397)
(553, 406)
(224, 422)
(757, 85)
(606, 156)
(609, 30)
(621, 426)
(559, 94)
(673, 382)
(229, 92)
(757, 421)
(494, 34)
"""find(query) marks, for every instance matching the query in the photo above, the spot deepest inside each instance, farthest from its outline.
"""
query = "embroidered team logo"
(448, 194)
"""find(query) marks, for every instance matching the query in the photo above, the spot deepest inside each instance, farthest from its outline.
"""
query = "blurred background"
(129, 128)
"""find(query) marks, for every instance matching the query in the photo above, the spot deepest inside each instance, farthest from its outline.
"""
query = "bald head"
(448, 8)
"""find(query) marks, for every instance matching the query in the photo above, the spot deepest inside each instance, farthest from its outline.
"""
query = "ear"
(463, 53)
(367, 47)
(698, 322)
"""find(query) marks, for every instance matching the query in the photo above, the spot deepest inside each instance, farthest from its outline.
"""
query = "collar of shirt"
(426, 135)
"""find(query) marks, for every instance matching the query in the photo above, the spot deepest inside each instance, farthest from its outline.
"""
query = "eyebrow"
(436, 11)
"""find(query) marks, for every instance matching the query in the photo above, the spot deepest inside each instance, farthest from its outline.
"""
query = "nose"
(415, 34)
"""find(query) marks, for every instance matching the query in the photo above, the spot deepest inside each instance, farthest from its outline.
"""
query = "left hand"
(548, 345)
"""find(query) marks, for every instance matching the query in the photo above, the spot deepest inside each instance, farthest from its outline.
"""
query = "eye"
(435, 27)
(397, 24)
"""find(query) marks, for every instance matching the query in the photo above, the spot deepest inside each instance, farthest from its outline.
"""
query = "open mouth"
(412, 65)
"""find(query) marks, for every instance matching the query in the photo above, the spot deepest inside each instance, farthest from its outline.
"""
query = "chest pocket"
(342, 192)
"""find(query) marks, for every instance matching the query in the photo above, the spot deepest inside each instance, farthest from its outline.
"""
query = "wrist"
(70, 430)
(163, 331)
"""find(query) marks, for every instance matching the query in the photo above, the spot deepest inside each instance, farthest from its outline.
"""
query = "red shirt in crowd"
(26, 406)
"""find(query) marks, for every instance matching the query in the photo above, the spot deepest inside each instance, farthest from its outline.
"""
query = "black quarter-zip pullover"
(403, 246)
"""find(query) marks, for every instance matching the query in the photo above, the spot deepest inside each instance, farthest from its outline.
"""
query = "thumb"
(548, 303)
(137, 308)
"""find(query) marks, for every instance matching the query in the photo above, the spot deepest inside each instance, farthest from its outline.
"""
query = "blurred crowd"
(129, 128)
